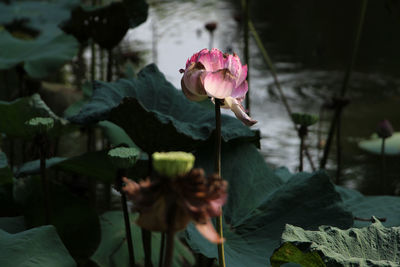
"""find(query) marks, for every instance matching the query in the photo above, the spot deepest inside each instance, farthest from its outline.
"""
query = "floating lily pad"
(260, 205)
(113, 249)
(76, 222)
(15, 114)
(35, 247)
(374, 245)
(157, 116)
(374, 144)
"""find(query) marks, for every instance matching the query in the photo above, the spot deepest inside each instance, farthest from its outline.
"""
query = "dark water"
(310, 43)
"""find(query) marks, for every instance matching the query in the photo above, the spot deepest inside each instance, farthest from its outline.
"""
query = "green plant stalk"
(271, 66)
(169, 253)
(383, 166)
(245, 8)
(109, 65)
(217, 166)
(43, 152)
(127, 222)
(338, 151)
(162, 248)
(211, 44)
(93, 61)
(146, 234)
(301, 153)
(101, 64)
(338, 111)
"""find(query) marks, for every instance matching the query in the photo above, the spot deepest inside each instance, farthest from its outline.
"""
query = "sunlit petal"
(239, 111)
(208, 231)
(213, 60)
(219, 84)
(240, 91)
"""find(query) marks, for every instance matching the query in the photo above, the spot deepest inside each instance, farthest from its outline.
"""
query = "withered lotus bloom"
(190, 197)
(219, 76)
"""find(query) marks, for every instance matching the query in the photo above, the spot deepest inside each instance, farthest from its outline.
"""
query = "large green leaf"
(115, 134)
(76, 222)
(374, 144)
(36, 15)
(260, 204)
(106, 25)
(374, 245)
(155, 115)
(40, 56)
(113, 247)
(33, 248)
(5, 171)
(15, 114)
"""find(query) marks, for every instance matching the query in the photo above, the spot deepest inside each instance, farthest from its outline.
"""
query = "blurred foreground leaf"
(374, 245)
(76, 222)
(35, 247)
(113, 251)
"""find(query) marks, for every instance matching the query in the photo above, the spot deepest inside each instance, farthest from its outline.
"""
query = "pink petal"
(195, 57)
(239, 111)
(242, 75)
(240, 91)
(191, 82)
(208, 231)
(213, 60)
(219, 84)
(232, 63)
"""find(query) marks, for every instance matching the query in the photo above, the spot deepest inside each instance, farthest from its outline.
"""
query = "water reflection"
(309, 40)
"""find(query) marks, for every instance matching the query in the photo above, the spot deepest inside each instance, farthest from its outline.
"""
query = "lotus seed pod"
(40, 125)
(124, 157)
(304, 119)
(173, 164)
(384, 129)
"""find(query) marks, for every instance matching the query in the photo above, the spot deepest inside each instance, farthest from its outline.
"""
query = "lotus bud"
(303, 119)
(40, 125)
(211, 26)
(124, 157)
(384, 129)
(173, 164)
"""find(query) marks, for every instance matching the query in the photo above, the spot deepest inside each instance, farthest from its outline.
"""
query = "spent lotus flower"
(213, 74)
(191, 196)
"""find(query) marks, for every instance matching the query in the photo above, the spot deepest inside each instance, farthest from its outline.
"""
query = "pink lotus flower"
(219, 76)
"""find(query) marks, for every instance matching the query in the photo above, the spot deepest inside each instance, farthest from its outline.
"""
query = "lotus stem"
(120, 174)
(93, 61)
(301, 153)
(271, 66)
(338, 112)
(169, 253)
(217, 166)
(41, 139)
(338, 150)
(245, 8)
(109, 65)
(162, 248)
(383, 166)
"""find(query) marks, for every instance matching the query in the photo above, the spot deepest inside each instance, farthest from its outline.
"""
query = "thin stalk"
(350, 66)
(169, 252)
(91, 146)
(146, 239)
(109, 66)
(217, 166)
(127, 225)
(338, 151)
(101, 64)
(93, 61)
(301, 153)
(12, 152)
(383, 166)
(245, 8)
(274, 74)
(43, 152)
(162, 248)
(211, 44)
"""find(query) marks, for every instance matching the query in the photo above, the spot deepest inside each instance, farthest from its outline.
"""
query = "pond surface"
(309, 42)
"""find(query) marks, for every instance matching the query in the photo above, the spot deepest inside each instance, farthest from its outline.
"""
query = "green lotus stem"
(217, 166)
(338, 111)
(383, 166)
(245, 8)
(109, 65)
(169, 253)
(41, 139)
(128, 232)
(93, 61)
(301, 153)
(162, 248)
(274, 74)
(338, 151)
(101, 64)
